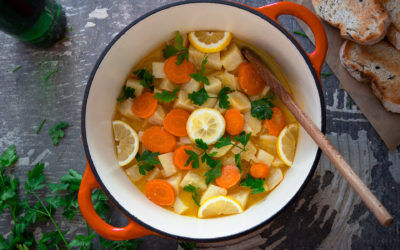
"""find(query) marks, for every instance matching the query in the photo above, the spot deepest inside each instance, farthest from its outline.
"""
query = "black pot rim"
(93, 73)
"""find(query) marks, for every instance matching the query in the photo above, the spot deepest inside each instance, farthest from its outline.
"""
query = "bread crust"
(393, 35)
(362, 21)
(377, 65)
(393, 9)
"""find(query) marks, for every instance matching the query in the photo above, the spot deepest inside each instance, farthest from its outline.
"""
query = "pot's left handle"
(130, 231)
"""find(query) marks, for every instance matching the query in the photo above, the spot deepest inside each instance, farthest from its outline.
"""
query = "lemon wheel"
(219, 205)
(206, 124)
(210, 41)
(286, 143)
(127, 142)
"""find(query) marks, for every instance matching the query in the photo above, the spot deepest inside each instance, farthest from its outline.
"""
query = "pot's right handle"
(274, 10)
(130, 231)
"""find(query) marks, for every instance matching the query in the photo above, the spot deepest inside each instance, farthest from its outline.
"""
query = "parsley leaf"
(169, 51)
(193, 157)
(223, 141)
(199, 97)
(213, 173)
(56, 132)
(261, 109)
(35, 178)
(243, 138)
(201, 144)
(166, 96)
(146, 78)
(254, 183)
(192, 189)
(82, 241)
(200, 77)
(127, 92)
(238, 161)
(8, 157)
(147, 161)
(223, 97)
(178, 49)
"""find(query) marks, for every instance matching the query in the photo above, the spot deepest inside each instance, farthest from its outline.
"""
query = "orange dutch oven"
(259, 27)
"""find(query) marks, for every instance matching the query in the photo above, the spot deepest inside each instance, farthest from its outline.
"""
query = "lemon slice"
(210, 41)
(219, 205)
(286, 143)
(206, 124)
(127, 142)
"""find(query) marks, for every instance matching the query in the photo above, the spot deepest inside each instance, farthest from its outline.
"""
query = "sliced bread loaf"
(393, 8)
(363, 21)
(378, 64)
(393, 35)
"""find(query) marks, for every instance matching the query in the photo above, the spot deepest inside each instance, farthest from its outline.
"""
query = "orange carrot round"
(175, 122)
(178, 74)
(160, 192)
(234, 121)
(144, 105)
(180, 157)
(156, 139)
(259, 170)
(277, 122)
(229, 177)
(249, 80)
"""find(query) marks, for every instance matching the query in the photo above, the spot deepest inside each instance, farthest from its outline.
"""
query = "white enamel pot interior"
(138, 39)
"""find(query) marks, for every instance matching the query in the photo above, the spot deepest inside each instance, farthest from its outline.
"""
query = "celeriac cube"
(247, 155)
(135, 83)
(240, 101)
(268, 143)
(231, 58)
(196, 57)
(214, 61)
(278, 163)
(191, 86)
(251, 124)
(179, 207)
(275, 177)
(167, 85)
(174, 181)
(194, 179)
(167, 164)
(158, 69)
(182, 101)
(184, 141)
(158, 117)
(264, 157)
(212, 191)
(215, 85)
(154, 174)
(228, 159)
(133, 173)
(241, 195)
(221, 151)
(227, 79)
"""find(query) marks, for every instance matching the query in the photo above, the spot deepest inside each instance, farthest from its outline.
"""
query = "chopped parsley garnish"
(193, 157)
(56, 132)
(146, 78)
(300, 33)
(243, 138)
(200, 77)
(127, 92)
(176, 49)
(261, 109)
(254, 183)
(326, 74)
(199, 97)
(8, 157)
(166, 96)
(49, 74)
(16, 68)
(223, 97)
(147, 161)
(192, 189)
(201, 144)
(40, 126)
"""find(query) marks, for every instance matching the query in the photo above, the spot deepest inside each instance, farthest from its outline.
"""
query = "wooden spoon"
(362, 190)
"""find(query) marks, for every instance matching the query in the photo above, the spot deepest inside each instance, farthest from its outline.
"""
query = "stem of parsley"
(40, 126)
(51, 218)
(49, 74)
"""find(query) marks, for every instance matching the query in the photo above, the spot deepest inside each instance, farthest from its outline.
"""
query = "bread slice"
(363, 21)
(393, 8)
(377, 64)
(393, 35)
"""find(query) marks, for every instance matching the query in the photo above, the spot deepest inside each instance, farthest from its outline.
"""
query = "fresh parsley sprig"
(127, 92)
(192, 189)
(199, 97)
(146, 78)
(200, 77)
(166, 96)
(261, 109)
(176, 49)
(56, 132)
(147, 161)
(256, 184)
(224, 98)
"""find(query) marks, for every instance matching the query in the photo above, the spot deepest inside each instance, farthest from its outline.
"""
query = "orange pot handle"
(274, 10)
(130, 231)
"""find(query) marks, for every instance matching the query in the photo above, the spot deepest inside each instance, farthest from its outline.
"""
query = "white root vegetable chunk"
(194, 179)
(196, 57)
(135, 83)
(278, 163)
(232, 57)
(133, 173)
(174, 181)
(214, 61)
(179, 207)
(219, 152)
(212, 191)
(247, 155)
(158, 70)
(240, 101)
(167, 164)
(275, 177)
(158, 117)
(228, 159)
(191, 86)
(182, 101)
(215, 85)
(251, 124)
(227, 79)
(167, 85)
(125, 108)
(154, 174)
(209, 103)
(242, 196)
(184, 140)
(268, 143)
(264, 157)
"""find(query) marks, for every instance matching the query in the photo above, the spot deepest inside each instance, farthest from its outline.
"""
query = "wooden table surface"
(327, 214)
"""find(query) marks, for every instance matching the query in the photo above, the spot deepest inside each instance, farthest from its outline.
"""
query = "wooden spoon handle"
(369, 199)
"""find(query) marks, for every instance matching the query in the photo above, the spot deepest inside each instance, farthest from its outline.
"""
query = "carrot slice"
(175, 122)
(249, 80)
(234, 121)
(180, 157)
(145, 105)
(178, 74)
(259, 170)
(156, 139)
(160, 192)
(277, 122)
(229, 177)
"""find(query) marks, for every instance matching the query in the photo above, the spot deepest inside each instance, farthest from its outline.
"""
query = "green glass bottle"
(38, 22)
